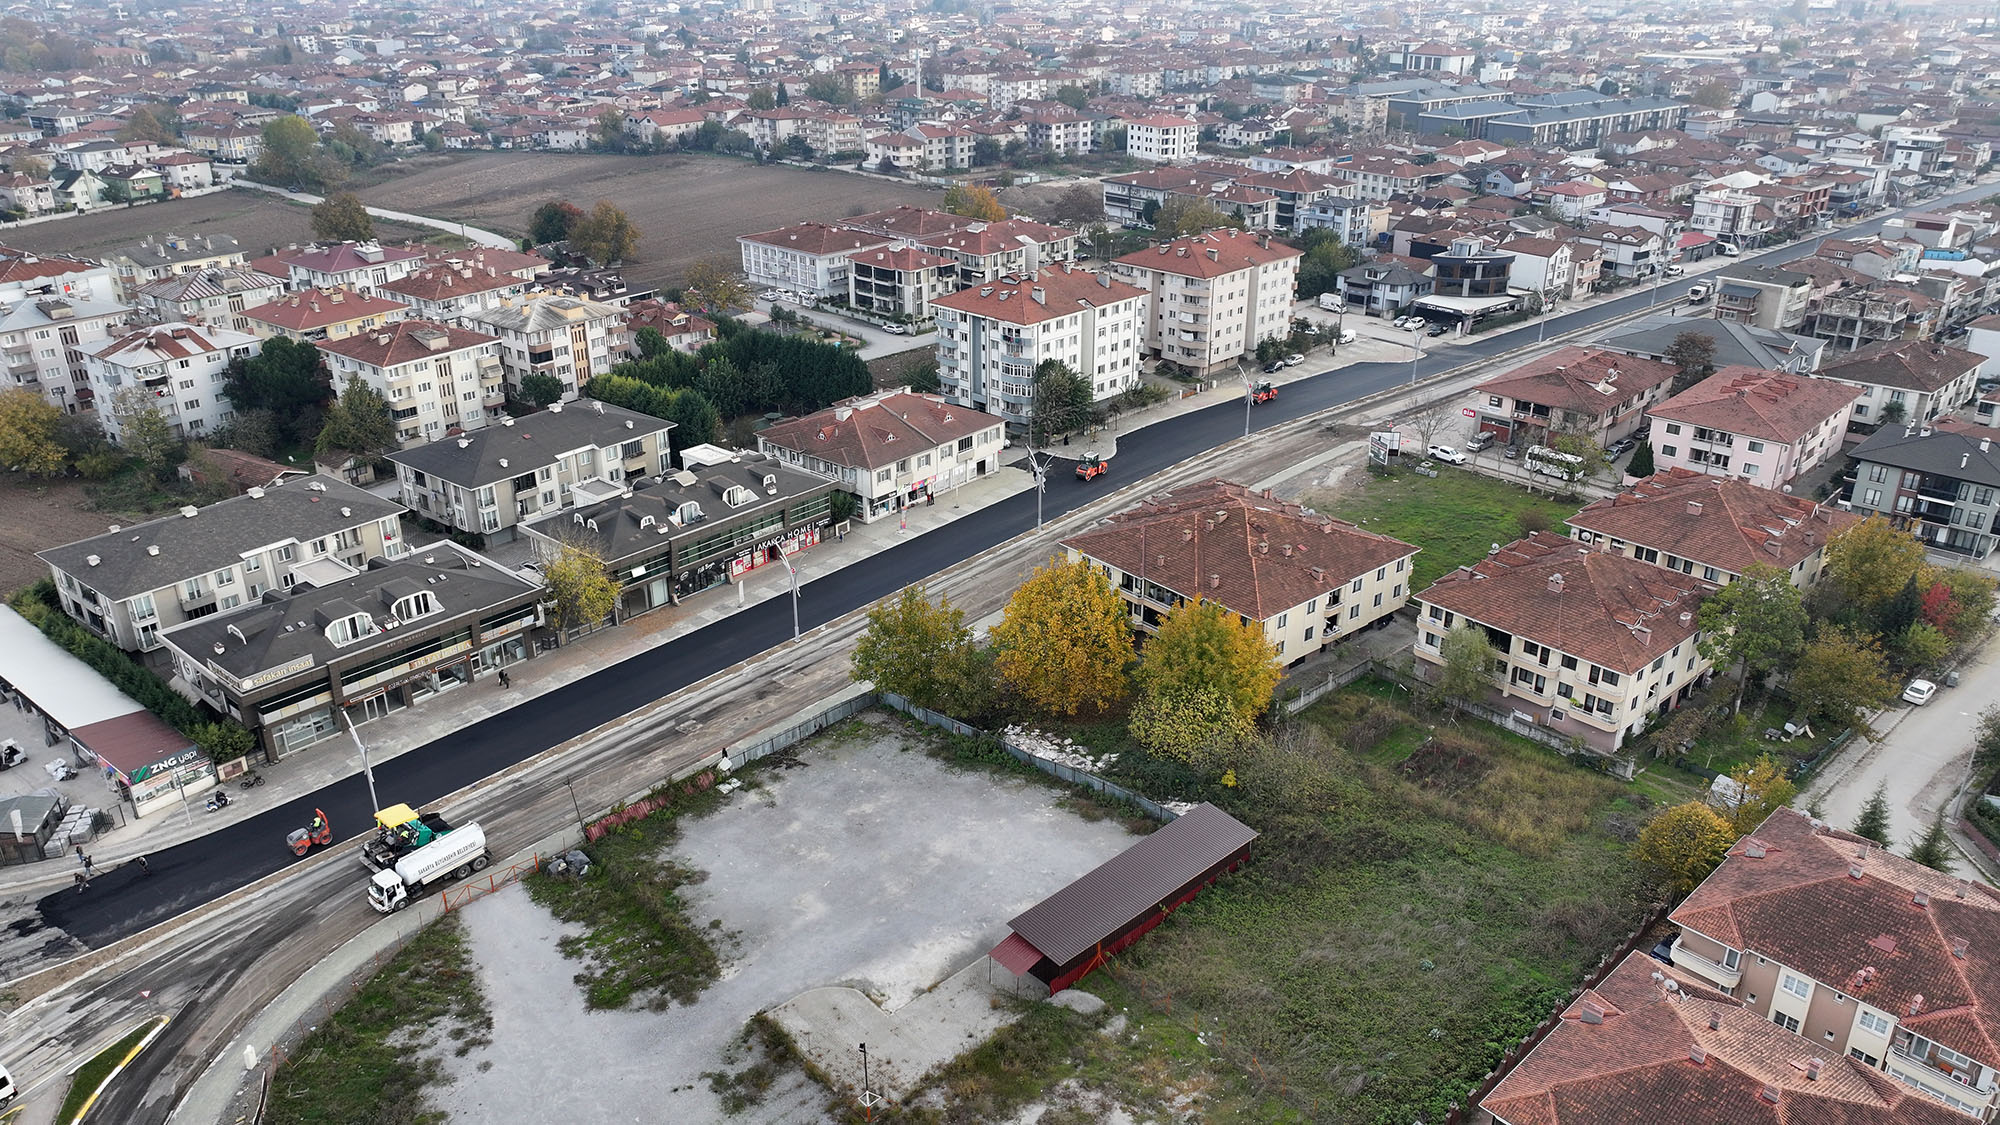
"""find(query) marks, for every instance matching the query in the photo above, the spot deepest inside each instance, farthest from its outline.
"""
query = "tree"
(1428, 420)
(539, 388)
(1874, 820)
(432, 140)
(359, 422)
(605, 236)
(1079, 206)
(1641, 462)
(650, 342)
(1062, 400)
(761, 98)
(921, 651)
(1192, 723)
(1893, 413)
(1714, 95)
(1693, 356)
(28, 434)
(1200, 644)
(974, 201)
(1757, 622)
(1075, 97)
(719, 286)
(1681, 845)
(1590, 455)
(287, 379)
(149, 123)
(1933, 848)
(695, 420)
(1467, 673)
(32, 167)
(581, 593)
(1325, 255)
(985, 151)
(553, 221)
(1763, 789)
(342, 217)
(1839, 676)
(609, 128)
(145, 432)
(1064, 640)
(1181, 216)
(1871, 561)
(290, 154)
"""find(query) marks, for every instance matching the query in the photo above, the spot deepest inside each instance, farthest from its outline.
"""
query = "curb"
(116, 1070)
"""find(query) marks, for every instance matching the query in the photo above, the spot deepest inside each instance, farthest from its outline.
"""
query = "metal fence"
(1057, 770)
(1334, 681)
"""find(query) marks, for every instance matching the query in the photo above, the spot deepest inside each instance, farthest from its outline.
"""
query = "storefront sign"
(166, 765)
(267, 676)
(796, 540)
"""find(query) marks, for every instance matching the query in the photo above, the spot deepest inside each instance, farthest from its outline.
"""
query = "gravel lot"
(36, 515)
(257, 220)
(872, 866)
(686, 207)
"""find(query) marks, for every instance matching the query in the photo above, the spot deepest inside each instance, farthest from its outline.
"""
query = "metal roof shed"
(65, 689)
(1063, 937)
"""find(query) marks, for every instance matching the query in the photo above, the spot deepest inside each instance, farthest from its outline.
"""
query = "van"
(1728, 249)
(1479, 441)
(1698, 292)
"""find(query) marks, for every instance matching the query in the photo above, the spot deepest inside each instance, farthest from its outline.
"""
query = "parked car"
(1438, 330)
(1513, 453)
(1674, 269)
(1404, 321)
(1294, 359)
(1446, 454)
(1618, 448)
(1919, 692)
(1481, 440)
(894, 329)
(1347, 336)
(1274, 366)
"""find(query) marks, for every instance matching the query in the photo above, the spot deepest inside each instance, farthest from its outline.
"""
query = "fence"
(1506, 720)
(1069, 774)
(464, 894)
(1334, 681)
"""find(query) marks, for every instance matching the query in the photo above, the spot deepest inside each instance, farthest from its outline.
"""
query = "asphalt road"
(204, 869)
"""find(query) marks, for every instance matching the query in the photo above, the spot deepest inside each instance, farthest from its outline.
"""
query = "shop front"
(773, 548)
(150, 764)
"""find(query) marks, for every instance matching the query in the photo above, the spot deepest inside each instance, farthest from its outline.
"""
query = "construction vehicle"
(1092, 466)
(400, 830)
(1264, 392)
(454, 855)
(318, 834)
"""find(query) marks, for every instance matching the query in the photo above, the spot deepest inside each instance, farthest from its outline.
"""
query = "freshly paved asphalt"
(119, 903)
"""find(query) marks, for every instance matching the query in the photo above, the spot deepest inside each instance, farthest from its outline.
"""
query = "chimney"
(1958, 947)
(1715, 1021)
(1697, 1056)
(1812, 1069)
(1855, 871)
(1285, 549)
(1215, 581)
(1694, 507)
(1555, 583)
(1590, 1013)
(1920, 900)
(1754, 849)
(1770, 1093)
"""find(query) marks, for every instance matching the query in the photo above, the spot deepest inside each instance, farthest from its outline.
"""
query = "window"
(1668, 451)
(1756, 447)
(1874, 1023)
(1731, 959)
(1789, 1023)
(1281, 619)
(253, 564)
(225, 578)
(1673, 427)
(1797, 986)
(1878, 473)
(142, 607)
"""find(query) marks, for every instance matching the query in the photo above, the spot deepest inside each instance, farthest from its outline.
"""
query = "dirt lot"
(687, 207)
(258, 222)
(37, 515)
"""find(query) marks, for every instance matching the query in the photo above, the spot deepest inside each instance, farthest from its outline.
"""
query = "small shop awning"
(134, 744)
(1016, 955)
(1464, 306)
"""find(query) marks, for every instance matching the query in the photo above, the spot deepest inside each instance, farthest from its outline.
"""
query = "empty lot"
(259, 223)
(687, 207)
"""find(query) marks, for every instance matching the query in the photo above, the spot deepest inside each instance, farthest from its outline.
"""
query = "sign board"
(1382, 444)
(1469, 412)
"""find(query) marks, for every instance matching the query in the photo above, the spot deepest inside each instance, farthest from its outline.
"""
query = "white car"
(1294, 359)
(1919, 692)
(894, 329)
(1347, 336)
(1446, 454)
(1404, 321)
(1674, 270)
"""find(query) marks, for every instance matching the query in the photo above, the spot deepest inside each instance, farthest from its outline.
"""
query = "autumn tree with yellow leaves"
(1203, 680)
(1681, 845)
(1065, 640)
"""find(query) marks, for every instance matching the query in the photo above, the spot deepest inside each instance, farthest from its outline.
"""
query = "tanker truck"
(454, 855)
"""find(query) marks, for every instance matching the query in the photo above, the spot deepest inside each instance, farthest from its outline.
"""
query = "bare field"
(36, 515)
(688, 207)
(258, 221)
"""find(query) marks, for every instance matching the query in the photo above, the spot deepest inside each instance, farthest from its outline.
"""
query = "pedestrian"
(81, 882)
(144, 867)
(89, 866)
(506, 681)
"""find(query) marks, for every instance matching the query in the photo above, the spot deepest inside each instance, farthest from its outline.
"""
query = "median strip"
(88, 1082)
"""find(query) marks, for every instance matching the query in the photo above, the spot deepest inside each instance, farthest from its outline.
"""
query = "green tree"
(1874, 820)
(761, 98)
(1062, 401)
(1641, 462)
(605, 236)
(290, 154)
(1933, 848)
(1714, 95)
(921, 651)
(286, 378)
(149, 123)
(1075, 97)
(1838, 677)
(342, 217)
(223, 742)
(1693, 356)
(1867, 564)
(1922, 645)
(1078, 207)
(432, 140)
(1189, 722)
(1064, 640)
(974, 201)
(553, 221)
(650, 342)
(609, 129)
(579, 591)
(1757, 623)
(719, 286)
(359, 422)
(145, 433)
(1324, 255)
(538, 389)
(1202, 644)
(695, 420)
(1763, 789)
(1681, 845)
(1467, 672)
(29, 426)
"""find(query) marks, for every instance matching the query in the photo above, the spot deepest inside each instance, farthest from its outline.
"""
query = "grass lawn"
(85, 1081)
(1455, 517)
(359, 1065)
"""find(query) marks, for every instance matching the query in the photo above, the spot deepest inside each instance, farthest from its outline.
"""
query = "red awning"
(1016, 954)
(1693, 238)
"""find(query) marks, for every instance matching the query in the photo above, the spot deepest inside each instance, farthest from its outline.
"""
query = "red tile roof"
(1717, 521)
(1608, 609)
(316, 308)
(1213, 254)
(445, 281)
(1589, 381)
(817, 239)
(403, 341)
(876, 433)
(1759, 403)
(1257, 556)
(1042, 295)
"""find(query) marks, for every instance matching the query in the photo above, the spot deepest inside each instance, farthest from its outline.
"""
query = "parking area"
(869, 865)
(82, 788)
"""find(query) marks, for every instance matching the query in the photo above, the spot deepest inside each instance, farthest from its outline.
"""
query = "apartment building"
(130, 584)
(361, 266)
(1160, 138)
(810, 258)
(1594, 645)
(165, 255)
(177, 368)
(313, 315)
(983, 252)
(1732, 216)
(1866, 955)
(891, 449)
(571, 338)
(1939, 485)
(1765, 296)
(449, 291)
(991, 338)
(1713, 528)
(214, 296)
(488, 481)
(437, 377)
(45, 337)
(898, 283)
(1764, 426)
(1306, 580)
(355, 647)
(1215, 296)
(1906, 380)
(1598, 394)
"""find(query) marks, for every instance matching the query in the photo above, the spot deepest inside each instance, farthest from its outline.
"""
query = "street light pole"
(1416, 353)
(366, 770)
(1249, 392)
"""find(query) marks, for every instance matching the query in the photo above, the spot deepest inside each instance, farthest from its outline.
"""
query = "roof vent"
(91, 560)
(628, 421)
(503, 462)
(1920, 899)
(1215, 581)
(254, 494)
(1958, 947)
(346, 511)
(1694, 507)
(1855, 870)
(1555, 583)
(1769, 1093)
(555, 408)
(506, 421)
(1715, 1021)
(465, 443)
(1813, 1068)
(1697, 1056)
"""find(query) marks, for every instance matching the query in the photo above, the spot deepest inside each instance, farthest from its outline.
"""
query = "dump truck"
(1264, 392)
(454, 855)
(1092, 466)
(400, 830)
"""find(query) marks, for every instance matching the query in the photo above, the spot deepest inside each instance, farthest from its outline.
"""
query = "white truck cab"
(7, 1088)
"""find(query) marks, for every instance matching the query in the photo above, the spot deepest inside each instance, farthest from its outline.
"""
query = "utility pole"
(1039, 464)
(366, 770)
(793, 572)
(1249, 395)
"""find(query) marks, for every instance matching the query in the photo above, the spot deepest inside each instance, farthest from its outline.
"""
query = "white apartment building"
(178, 367)
(1729, 215)
(1161, 138)
(808, 258)
(44, 339)
(571, 338)
(449, 291)
(1216, 296)
(437, 377)
(992, 337)
(215, 296)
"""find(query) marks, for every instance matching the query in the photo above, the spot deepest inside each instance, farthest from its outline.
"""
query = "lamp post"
(366, 770)
(1416, 352)
(793, 573)
(1249, 395)
(1548, 302)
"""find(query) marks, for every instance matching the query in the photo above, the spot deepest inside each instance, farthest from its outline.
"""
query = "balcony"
(1681, 955)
